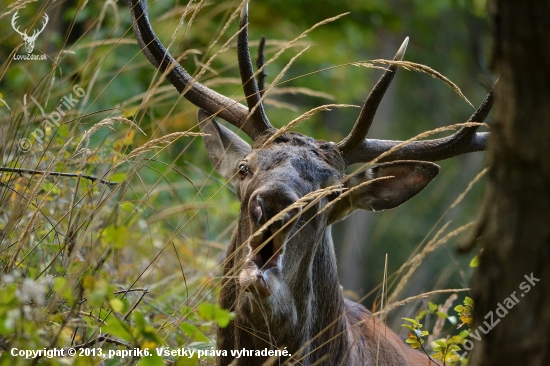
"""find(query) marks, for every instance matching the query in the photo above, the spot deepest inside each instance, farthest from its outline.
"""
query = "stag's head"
(29, 40)
(292, 187)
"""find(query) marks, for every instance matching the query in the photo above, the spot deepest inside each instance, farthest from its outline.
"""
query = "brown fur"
(299, 306)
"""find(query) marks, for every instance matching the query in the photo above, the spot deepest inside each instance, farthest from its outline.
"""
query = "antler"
(465, 140)
(250, 87)
(356, 149)
(364, 121)
(13, 19)
(36, 33)
(201, 96)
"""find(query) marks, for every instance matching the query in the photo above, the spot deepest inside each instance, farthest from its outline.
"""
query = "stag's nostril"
(257, 210)
(290, 214)
(263, 206)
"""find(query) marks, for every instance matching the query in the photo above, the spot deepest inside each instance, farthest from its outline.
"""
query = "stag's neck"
(309, 312)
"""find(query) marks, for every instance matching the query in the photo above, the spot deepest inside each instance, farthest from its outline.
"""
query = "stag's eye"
(335, 194)
(243, 170)
(333, 183)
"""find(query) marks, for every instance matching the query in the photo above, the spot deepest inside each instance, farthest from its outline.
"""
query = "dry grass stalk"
(440, 320)
(221, 81)
(176, 210)
(281, 105)
(223, 48)
(414, 263)
(430, 247)
(277, 78)
(303, 117)
(303, 91)
(369, 65)
(107, 122)
(383, 303)
(22, 239)
(18, 5)
(287, 46)
(413, 66)
(412, 139)
(158, 143)
(349, 191)
(470, 185)
(395, 305)
(295, 40)
(278, 43)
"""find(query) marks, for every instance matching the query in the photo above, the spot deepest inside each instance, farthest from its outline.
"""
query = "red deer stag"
(280, 275)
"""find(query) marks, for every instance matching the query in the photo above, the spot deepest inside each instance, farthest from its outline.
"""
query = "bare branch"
(57, 174)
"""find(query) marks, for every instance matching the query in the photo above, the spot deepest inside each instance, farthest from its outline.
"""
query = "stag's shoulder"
(374, 340)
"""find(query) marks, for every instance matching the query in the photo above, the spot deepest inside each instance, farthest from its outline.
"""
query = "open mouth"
(265, 251)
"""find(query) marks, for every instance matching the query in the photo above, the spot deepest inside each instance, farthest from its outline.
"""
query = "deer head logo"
(29, 40)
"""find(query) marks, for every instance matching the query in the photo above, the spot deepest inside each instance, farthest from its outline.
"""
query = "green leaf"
(116, 305)
(50, 188)
(117, 328)
(213, 312)
(468, 301)
(139, 320)
(115, 235)
(63, 131)
(415, 323)
(130, 112)
(432, 306)
(127, 206)
(7, 295)
(421, 315)
(118, 177)
(152, 360)
(441, 343)
(188, 361)
(193, 332)
(61, 288)
(441, 315)
(475, 261)
(459, 308)
(99, 293)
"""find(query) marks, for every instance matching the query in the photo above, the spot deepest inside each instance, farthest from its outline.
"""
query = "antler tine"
(364, 121)
(463, 141)
(250, 87)
(260, 61)
(201, 96)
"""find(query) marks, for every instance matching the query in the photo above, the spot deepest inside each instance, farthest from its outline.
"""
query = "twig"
(145, 292)
(102, 338)
(57, 174)
(259, 64)
(131, 290)
(419, 339)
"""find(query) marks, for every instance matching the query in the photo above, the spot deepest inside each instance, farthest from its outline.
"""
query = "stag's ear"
(404, 180)
(225, 149)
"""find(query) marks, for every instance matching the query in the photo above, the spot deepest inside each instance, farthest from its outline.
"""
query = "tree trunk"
(515, 225)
